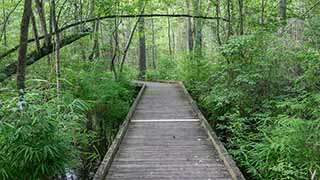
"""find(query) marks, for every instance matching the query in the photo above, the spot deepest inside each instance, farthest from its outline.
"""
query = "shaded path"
(165, 140)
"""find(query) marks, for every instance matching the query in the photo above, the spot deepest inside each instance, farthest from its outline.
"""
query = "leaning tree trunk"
(35, 56)
(35, 31)
(125, 52)
(24, 31)
(42, 17)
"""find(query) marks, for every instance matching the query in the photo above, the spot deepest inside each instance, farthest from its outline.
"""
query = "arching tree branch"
(111, 17)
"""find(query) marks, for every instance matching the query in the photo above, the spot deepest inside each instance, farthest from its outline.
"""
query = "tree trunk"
(218, 21)
(24, 31)
(262, 11)
(283, 11)
(5, 41)
(125, 52)
(198, 29)
(169, 36)
(190, 30)
(42, 17)
(173, 41)
(142, 44)
(95, 49)
(154, 56)
(35, 31)
(241, 16)
(57, 46)
(47, 36)
(115, 49)
(96, 27)
(229, 24)
(35, 56)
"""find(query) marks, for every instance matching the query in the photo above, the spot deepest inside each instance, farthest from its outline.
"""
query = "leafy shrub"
(51, 135)
(165, 70)
(40, 140)
(262, 99)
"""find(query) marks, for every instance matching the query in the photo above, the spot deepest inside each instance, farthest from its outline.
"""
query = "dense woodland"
(67, 66)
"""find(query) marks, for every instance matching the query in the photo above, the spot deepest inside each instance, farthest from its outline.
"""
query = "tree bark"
(125, 52)
(154, 56)
(283, 11)
(190, 30)
(241, 17)
(47, 36)
(5, 41)
(173, 41)
(57, 46)
(218, 21)
(115, 49)
(35, 31)
(262, 11)
(24, 31)
(229, 33)
(169, 36)
(42, 17)
(95, 49)
(34, 56)
(96, 27)
(142, 46)
(198, 29)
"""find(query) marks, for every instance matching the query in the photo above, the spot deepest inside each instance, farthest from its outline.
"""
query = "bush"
(39, 141)
(165, 70)
(44, 136)
(262, 99)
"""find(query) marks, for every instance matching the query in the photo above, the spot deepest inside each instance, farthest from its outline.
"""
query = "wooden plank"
(165, 120)
(106, 163)
(223, 153)
(167, 139)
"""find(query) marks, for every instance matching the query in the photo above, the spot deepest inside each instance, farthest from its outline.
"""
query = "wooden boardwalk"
(166, 140)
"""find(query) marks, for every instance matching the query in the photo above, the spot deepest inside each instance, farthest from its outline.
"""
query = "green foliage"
(51, 135)
(40, 140)
(98, 88)
(262, 99)
(313, 32)
(166, 70)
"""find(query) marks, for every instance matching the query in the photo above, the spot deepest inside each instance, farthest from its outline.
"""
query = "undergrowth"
(43, 136)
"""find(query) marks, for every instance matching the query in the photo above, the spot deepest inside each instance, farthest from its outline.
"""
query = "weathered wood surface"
(166, 149)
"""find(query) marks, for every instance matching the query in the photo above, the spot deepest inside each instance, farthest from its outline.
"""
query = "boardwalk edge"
(108, 158)
(223, 153)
